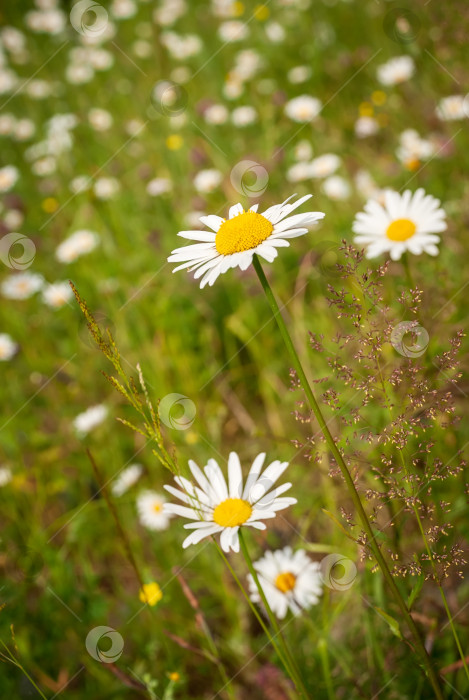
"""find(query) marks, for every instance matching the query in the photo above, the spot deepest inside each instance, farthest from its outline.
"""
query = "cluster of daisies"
(217, 507)
(407, 222)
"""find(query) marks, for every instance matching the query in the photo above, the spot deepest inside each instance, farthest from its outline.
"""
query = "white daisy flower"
(5, 476)
(216, 114)
(57, 294)
(396, 70)
(453, 107)
(405, 222)
(158, 186)
(289, 581)
(237, 239)
(8, 347)
(207, 180)
(106, 187)
(413, 149)
(79, 243)
(233, 30)
(299, 74)
(303, 109)
(303, 150)
(151, 511)
(275, 32)
(299, 172)
(243, 116)
(366, 126)
(100, 119)
(336, 187)
(217, 507)
(127, 478)
(8, 177)
(22, 285)
(90, 419)
(325, 165)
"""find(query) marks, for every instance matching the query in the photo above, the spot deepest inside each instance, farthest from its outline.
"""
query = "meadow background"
(65, 568)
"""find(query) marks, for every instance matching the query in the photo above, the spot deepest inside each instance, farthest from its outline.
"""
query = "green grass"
(64, 568)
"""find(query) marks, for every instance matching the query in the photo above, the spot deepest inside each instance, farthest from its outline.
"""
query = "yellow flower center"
(401, 230)
(285, 582)
(232, 512)
(243, 232)
(157, 507)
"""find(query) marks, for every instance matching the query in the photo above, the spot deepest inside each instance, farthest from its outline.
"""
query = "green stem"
(13, 660)
(253, 607)
(420, 647)
(408, 273)
(294, 671)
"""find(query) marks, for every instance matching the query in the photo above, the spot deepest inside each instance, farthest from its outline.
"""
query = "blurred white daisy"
(79, 243)
(217, 507)
(233, 30)
(13, 219)
(5, 476)
(106, 187)
(151, 511)
(275, 32)
(299, 172)
(159, 185)
(90, 419)
(8, 177)
(299, 74)
(207, 180)
(453, 107)
(127, 478)
(8, 347)
(366, 126)
(290, 581)
(396, 70)
(244, 115)
(336, 187)
(22, 285)
(7, 124)
(123, 9)
(57, 294)
(303, 150)
(234, 241)
(406, 222)
(303, 109)
(100, 119)
(413, 148)
(325, 165)
(216, 114)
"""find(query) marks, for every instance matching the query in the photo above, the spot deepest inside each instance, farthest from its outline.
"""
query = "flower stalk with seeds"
(371, 541)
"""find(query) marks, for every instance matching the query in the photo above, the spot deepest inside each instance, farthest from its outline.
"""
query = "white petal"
(235, 476)
(197, 235)
(212, 221)
(235, 210)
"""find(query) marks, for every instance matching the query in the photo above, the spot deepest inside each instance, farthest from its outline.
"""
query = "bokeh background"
(125, 123)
